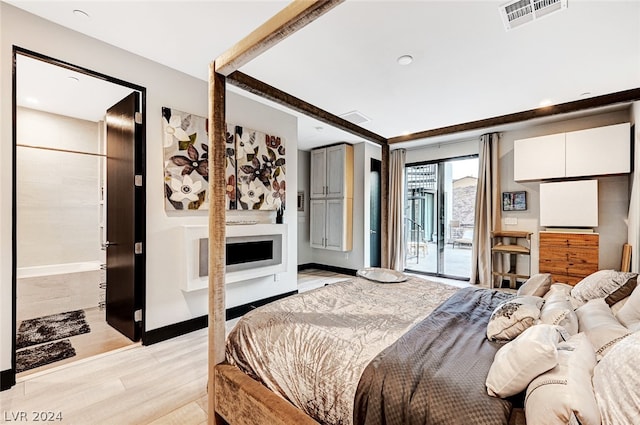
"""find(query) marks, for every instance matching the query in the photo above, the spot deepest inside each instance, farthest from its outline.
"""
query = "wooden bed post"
(217, 241)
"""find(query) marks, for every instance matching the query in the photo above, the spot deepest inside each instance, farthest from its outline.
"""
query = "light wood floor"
(164, 383)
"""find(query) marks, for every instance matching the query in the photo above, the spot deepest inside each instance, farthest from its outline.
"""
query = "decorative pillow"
(608, 284)
(537, 285)
(515, 364)
(513, 316)
(602, 328)
(564, 288)
(565, 390)
(629, 313)
(615, 383)
(557, 310)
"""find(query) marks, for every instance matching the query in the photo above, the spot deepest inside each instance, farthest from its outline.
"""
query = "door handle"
(373, 231)
(107, 244)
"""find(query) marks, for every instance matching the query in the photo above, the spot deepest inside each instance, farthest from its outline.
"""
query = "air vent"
(355, 117)
(519, 12)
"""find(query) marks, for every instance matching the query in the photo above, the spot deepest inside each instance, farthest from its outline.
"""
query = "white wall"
(613, 192)
(442, 151)
(58, 193)
(305, 254)
(165, 302)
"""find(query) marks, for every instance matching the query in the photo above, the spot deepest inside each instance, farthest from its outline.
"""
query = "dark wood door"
(122, 293)
(374, 215)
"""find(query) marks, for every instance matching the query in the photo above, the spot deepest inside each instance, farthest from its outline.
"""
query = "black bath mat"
(51, 328)
(33, 357)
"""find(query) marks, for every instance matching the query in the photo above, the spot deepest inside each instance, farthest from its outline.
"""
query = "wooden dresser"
(569, 257)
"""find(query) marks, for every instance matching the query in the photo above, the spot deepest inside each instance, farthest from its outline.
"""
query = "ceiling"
(466, 66)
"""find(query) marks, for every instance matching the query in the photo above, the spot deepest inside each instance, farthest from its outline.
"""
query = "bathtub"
(51, 289)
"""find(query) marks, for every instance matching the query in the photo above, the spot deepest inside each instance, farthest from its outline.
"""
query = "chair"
(454, 229)
(466, 239)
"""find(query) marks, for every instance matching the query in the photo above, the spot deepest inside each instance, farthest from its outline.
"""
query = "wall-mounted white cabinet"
(331, 200)
(331, 224)
(332, 172)
(590, 152)
(539, 157)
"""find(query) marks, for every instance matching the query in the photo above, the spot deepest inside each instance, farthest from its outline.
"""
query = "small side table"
(506, 242)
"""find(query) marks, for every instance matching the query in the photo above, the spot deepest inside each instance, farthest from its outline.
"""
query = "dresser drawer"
(569, 239)
(569, 255)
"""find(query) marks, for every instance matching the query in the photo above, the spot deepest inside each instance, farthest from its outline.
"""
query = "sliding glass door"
(439, 216)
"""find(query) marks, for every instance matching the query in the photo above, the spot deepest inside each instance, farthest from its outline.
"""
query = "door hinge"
(138, 180)
(138, 117)
(137, 248)
(137, 315)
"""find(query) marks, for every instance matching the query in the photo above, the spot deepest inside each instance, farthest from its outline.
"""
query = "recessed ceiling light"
(585, 94)
(405, 59)
(545, 102)
(81, 13)
(319, 128)
(73, 79)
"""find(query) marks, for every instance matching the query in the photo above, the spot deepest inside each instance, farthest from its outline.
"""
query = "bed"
(371, 353)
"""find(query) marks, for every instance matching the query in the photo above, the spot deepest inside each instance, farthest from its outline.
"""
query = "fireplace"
(245, 253)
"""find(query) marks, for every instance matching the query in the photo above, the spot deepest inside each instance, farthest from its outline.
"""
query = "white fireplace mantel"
(190, 236)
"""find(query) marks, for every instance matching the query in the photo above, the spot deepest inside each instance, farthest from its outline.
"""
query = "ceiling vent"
(519, 12)
(355, 117)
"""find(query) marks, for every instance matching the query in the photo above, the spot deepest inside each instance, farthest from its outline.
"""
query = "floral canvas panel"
(230, 168)
(260, 177)
(186, 160)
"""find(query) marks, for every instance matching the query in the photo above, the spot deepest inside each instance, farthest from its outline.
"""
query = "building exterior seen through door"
(439, 216)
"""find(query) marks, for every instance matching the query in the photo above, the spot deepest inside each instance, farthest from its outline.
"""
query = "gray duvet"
(312, 348)
(436, 372)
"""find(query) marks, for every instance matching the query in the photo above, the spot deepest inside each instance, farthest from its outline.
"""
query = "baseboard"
(241, 310)
(182, 328)
(177, 329)
(7, 379)
(325, 267)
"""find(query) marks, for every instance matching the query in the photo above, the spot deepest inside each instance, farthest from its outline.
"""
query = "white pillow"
(566, 390)
(616, 383)
(629, 313)
(557, 310)
(537, 285)
(564, 288)
(611, 285)
(519, 361)
(513, 316)
(602, 328)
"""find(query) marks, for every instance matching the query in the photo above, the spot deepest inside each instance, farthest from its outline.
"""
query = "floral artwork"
(186, 160)
(260, 170)
(254, 165)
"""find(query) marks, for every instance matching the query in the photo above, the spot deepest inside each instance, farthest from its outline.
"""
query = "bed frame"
(233, 396)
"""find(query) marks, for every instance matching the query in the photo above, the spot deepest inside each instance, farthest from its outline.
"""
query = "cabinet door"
(318, 219)
(335, 171)
(339, 230)
(539, 157)
(599, 151)
(318, 173)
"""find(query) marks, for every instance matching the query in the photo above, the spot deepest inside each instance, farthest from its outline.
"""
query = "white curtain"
(396, 245)
(487, 213)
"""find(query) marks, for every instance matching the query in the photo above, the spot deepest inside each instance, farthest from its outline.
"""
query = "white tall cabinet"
(331, 203)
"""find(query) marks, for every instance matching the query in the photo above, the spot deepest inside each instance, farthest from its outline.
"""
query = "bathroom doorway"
(65, 308)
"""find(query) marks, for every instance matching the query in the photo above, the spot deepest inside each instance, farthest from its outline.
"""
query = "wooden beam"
(273, 94)
(631, 95)
(384, 207)
(296, 15)
(217, 242)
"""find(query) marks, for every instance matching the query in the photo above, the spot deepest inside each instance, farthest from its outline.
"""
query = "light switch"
(510, 221)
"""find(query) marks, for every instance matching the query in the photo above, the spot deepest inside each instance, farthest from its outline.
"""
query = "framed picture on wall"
(514, 201)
